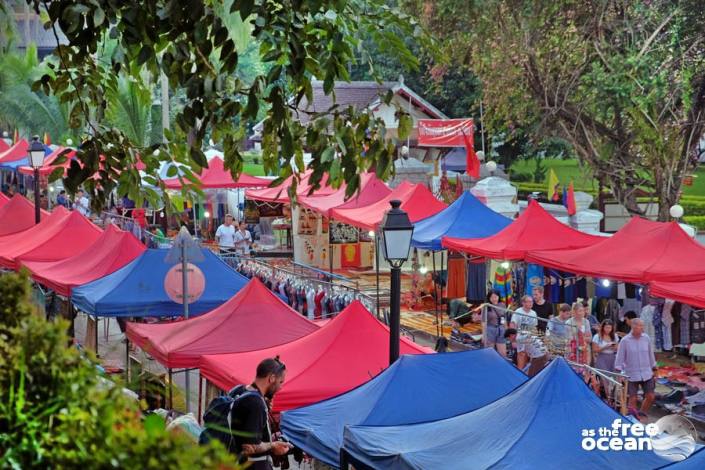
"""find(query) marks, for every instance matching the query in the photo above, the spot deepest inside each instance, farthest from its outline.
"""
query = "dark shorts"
(648, 386)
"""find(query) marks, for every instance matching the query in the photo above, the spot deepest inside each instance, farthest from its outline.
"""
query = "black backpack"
(217, 417)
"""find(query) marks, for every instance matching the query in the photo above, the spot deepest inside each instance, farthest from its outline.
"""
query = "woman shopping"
(493, 319)
(580, 335)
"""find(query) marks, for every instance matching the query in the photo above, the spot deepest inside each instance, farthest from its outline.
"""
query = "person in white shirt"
(225, 235)
(243, 239)
(81, 204)
(523, 319)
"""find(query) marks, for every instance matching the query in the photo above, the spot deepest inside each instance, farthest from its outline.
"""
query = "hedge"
(697, 221)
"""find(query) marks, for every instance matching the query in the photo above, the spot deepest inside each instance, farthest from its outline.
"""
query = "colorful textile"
(503, 284)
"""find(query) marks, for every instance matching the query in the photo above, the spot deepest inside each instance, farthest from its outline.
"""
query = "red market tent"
(3, 200)
(216, 176)
(350, 350)
(371, 190)
(252, 319)
(67, 236)
(691, 293)
(416, 200)
(641, 251)
(110, 252)
(534, 229)
(18, 215)
(48, 166)
(3, 145)
(279, 193)
(17, 152)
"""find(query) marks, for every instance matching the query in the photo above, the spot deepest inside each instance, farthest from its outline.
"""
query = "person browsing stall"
(542, 307)
(523, 319)
(636, 359)
(243, 239)
(225, 235)
(250, 417)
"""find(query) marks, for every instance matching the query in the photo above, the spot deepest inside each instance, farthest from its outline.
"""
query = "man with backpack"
(240, 419)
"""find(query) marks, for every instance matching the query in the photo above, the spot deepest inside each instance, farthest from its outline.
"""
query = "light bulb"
(206, 214)
(505, 264)
(371, 233)
(69, 141)
(423, 269)
(676, 211)
(605, 283)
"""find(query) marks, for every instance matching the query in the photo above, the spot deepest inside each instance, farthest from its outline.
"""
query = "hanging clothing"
(503, 284)
(686, 312)
(667, 320)
(456, 278)
(697, 327)
(318, 306)
(552, 291)
(534, 277)
(647, 316)
(476, 282)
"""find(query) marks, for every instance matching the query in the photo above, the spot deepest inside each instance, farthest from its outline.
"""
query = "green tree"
(21, 107)
(57, 412)
(129, 108)
(622, 80)
(297, 40)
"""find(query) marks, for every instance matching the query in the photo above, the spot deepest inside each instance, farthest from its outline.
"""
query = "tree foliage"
(56, 412)
(298, 40)
(622, 80)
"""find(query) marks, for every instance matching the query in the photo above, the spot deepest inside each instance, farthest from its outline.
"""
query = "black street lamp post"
(36, 160)
(397, 230)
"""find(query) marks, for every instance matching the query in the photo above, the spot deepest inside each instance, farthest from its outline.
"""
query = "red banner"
(350, 255)
(451, 133)
(445, 132)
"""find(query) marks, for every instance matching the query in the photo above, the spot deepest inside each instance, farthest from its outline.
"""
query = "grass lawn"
(253, 169)
(570, 169)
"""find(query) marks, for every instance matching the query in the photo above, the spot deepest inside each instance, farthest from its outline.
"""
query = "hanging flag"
(553, 190)
(16, 137)
(472, 164)
(458, 187)
(565, 196)
(570, 203)
(47, 139)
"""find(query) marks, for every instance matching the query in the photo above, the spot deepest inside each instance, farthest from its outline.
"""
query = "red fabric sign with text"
(451, 133)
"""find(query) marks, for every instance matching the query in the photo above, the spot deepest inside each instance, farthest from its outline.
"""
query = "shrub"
(697, 221)
(56, 412)
(522, 177)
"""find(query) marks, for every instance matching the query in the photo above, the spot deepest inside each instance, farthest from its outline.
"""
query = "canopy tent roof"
(695, 462)
(511, 432)
(279, 193)
(253, 319)
(403, 394)
(691, 293)
(534, 229)
(110, 252)
(3, 200)
(18, 215)
(641, 251)
(467, 217)
(3, 145)
(70, 235)
(137, 289)
(49, 166)
(216, 176)
(371, 190)
(16, 153)
(415, 199)
(334, 359)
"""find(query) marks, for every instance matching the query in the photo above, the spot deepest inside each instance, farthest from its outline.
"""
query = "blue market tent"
(137, 289)
(694, 462)
(414, 389)
(538, 425)
(467, 217)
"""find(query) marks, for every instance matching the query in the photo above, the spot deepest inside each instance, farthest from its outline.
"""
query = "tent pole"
(96, 337)
(435, 295)
(127, 361)
(200, 395)
(171, 395)
(377, 270)
(441, 293)
(344, 464)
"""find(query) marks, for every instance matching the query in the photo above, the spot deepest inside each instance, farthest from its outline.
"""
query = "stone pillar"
(585, 219)
(411, 170)
(497, 194)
